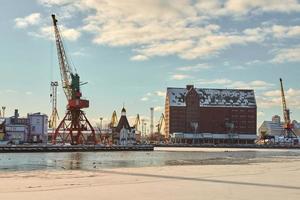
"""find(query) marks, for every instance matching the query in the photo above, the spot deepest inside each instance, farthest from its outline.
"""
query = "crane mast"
(75, 123)
(54, 115)
(288, 126)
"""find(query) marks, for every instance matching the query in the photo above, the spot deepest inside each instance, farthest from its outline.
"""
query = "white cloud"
(256, 85)
(260, 114)
(221, 81)
(47, 32)
(139, 58)
(160, 93)
(144, 99)
(159, 109)
(227, 83)
(32, 19)
(259, 6)
(180, 76)
(51, 3)
(291, 54)
(174, 27)
(272, 98)
(194, 68)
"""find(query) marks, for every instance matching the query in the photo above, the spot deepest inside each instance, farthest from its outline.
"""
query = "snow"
(214, 97)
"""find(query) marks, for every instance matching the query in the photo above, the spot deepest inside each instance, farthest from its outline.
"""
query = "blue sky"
(129, 51)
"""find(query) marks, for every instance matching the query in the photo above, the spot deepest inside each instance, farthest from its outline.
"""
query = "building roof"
(123, 123)
(214, 97)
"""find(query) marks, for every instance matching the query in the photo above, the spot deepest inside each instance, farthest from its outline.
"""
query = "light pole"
(101, 119)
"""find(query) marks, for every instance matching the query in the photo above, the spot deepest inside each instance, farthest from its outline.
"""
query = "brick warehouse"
(198, 115)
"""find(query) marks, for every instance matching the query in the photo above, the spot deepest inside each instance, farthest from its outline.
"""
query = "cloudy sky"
(129, 51)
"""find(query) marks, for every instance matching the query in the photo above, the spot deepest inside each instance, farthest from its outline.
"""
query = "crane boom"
(65, 68)
(286, 112)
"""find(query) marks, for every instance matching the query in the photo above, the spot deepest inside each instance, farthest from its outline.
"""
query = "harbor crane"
(137, 123)
(160, 123)
(74, 127)
(288, 126)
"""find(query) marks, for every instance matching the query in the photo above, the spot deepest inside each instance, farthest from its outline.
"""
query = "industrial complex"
(193, 116)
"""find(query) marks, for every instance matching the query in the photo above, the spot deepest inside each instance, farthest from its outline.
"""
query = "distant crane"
(114, 120)
(71, 128)
(137, 123)
(54, 115)
(160, 123)
(288, 126)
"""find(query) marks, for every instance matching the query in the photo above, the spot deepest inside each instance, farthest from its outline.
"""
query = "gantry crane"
(288, 126)
(71, 128)
(54, 115)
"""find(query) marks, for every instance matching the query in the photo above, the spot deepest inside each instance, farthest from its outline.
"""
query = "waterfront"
(165, 173)
(161, 156)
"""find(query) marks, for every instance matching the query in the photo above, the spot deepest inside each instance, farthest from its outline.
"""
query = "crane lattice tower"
(54, 114)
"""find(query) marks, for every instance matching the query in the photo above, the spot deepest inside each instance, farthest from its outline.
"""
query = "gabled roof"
(214, 97)
(123, 122)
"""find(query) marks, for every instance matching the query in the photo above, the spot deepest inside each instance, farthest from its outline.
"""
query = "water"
(159, 157)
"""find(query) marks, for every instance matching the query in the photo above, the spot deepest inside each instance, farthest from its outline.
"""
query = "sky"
(130, 51)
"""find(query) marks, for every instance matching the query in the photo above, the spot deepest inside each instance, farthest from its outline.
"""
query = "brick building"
(198, 115)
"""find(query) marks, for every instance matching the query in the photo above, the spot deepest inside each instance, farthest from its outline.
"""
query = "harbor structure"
(30, 129)
(123, 133)
(201, 115)
(75, 127)
(275, 127)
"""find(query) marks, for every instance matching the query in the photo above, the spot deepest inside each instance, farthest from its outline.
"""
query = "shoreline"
(95, 148)
(274, 180)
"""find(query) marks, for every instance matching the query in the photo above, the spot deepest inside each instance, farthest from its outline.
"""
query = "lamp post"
(101, 119)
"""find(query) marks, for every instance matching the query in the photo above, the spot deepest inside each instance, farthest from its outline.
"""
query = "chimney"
(188, 87)
(16, 114)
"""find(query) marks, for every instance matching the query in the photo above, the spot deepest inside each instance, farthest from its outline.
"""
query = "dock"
(71, 148)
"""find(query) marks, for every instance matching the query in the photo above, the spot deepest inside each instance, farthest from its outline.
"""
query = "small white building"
(38, 126)
(275, 127)
(16, 129)
(127, 137)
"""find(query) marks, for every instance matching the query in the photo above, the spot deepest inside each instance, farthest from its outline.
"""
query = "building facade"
(276, 127)
(30, 129)
(123, 133)
(210, 115)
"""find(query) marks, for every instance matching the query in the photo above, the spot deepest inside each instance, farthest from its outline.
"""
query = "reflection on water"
(101, 160)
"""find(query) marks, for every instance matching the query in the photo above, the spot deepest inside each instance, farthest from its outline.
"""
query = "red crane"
(74, 127)
(288, 126)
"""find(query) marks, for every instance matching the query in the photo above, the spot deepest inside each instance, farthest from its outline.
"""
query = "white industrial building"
(30, 129)
(275, 127)
(38, 128)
